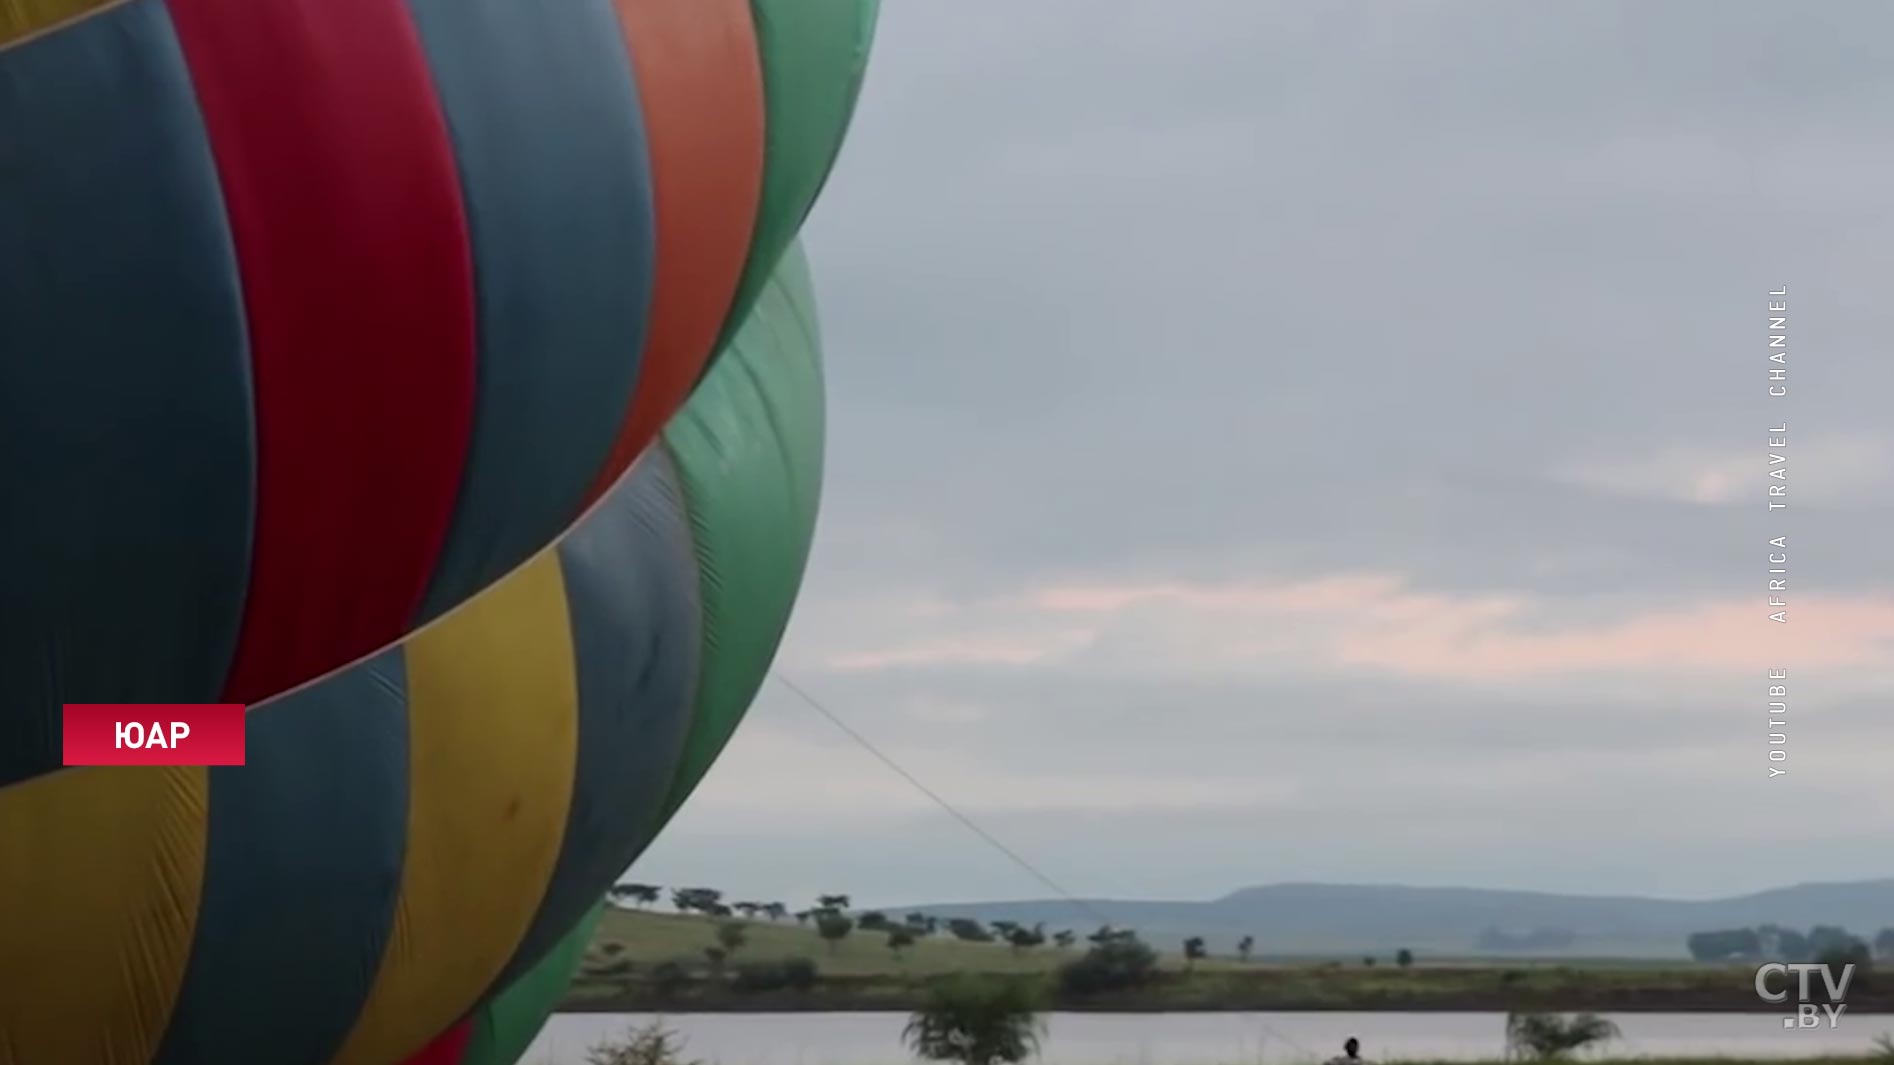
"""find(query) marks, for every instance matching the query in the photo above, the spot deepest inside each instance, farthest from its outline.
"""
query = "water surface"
(1196, 1038)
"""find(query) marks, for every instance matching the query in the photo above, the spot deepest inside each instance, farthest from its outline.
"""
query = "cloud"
(1380, 621)
(1722, 637)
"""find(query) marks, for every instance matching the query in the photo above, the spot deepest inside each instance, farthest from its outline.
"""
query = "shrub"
(800, 972)
(759, 976)
(1114, 965)
(651, 1045)
(833, 928)
(977, 1022)
(795, 974)
(1548, 1035)
(969, 930)
(668, 978)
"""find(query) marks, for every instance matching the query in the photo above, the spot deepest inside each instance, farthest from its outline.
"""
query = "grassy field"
(862, 973)
(649, 938)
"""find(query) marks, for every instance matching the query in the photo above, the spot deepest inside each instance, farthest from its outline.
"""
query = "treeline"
(1822, 943)
(833, 920)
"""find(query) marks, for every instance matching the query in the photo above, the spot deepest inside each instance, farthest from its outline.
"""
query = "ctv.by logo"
(1807, 1014)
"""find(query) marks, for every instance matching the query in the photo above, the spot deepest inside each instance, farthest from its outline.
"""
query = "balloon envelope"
(317, 318)
(411, 836)
(321, 325)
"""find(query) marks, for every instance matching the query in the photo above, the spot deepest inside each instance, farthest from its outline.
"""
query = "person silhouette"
(1350, 1055)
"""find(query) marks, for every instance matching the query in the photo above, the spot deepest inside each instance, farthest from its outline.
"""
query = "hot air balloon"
(321, 325)
(413, 834)
(318, 316)
(757, 529)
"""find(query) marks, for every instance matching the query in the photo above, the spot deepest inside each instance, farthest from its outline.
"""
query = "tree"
(748, 909)
(1838, 948)
(1003, 930)
(696, 899)
(776, 911)
(1404, 958)
(831, 902)
(900, 938)
(833, 928)
(968, 930)
(1793, 946)
(716, 956)
(1549, 1035)
(1837, 958)
(1024, 939)
(802, 916)
(1884, 942)
(639, 895)
(1769, 940)
(1245, 947)
(1824, 938)
(918, 922)
(976, 1022)
(1194, 952)
(1065, 939)
(731, 935)
(874, 921)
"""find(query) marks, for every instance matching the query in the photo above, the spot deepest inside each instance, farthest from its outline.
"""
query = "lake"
(1197, 1038)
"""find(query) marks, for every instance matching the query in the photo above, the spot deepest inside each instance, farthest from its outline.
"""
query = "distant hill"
(1354, 919)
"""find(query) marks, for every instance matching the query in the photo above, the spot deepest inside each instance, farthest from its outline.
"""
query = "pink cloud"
(1378, 621)
(1726, 635)
(1375, 620)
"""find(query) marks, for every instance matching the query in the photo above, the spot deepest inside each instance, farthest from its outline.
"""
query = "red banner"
(154, 733)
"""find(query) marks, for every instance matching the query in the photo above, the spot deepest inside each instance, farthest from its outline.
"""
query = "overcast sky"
(1329, 442)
